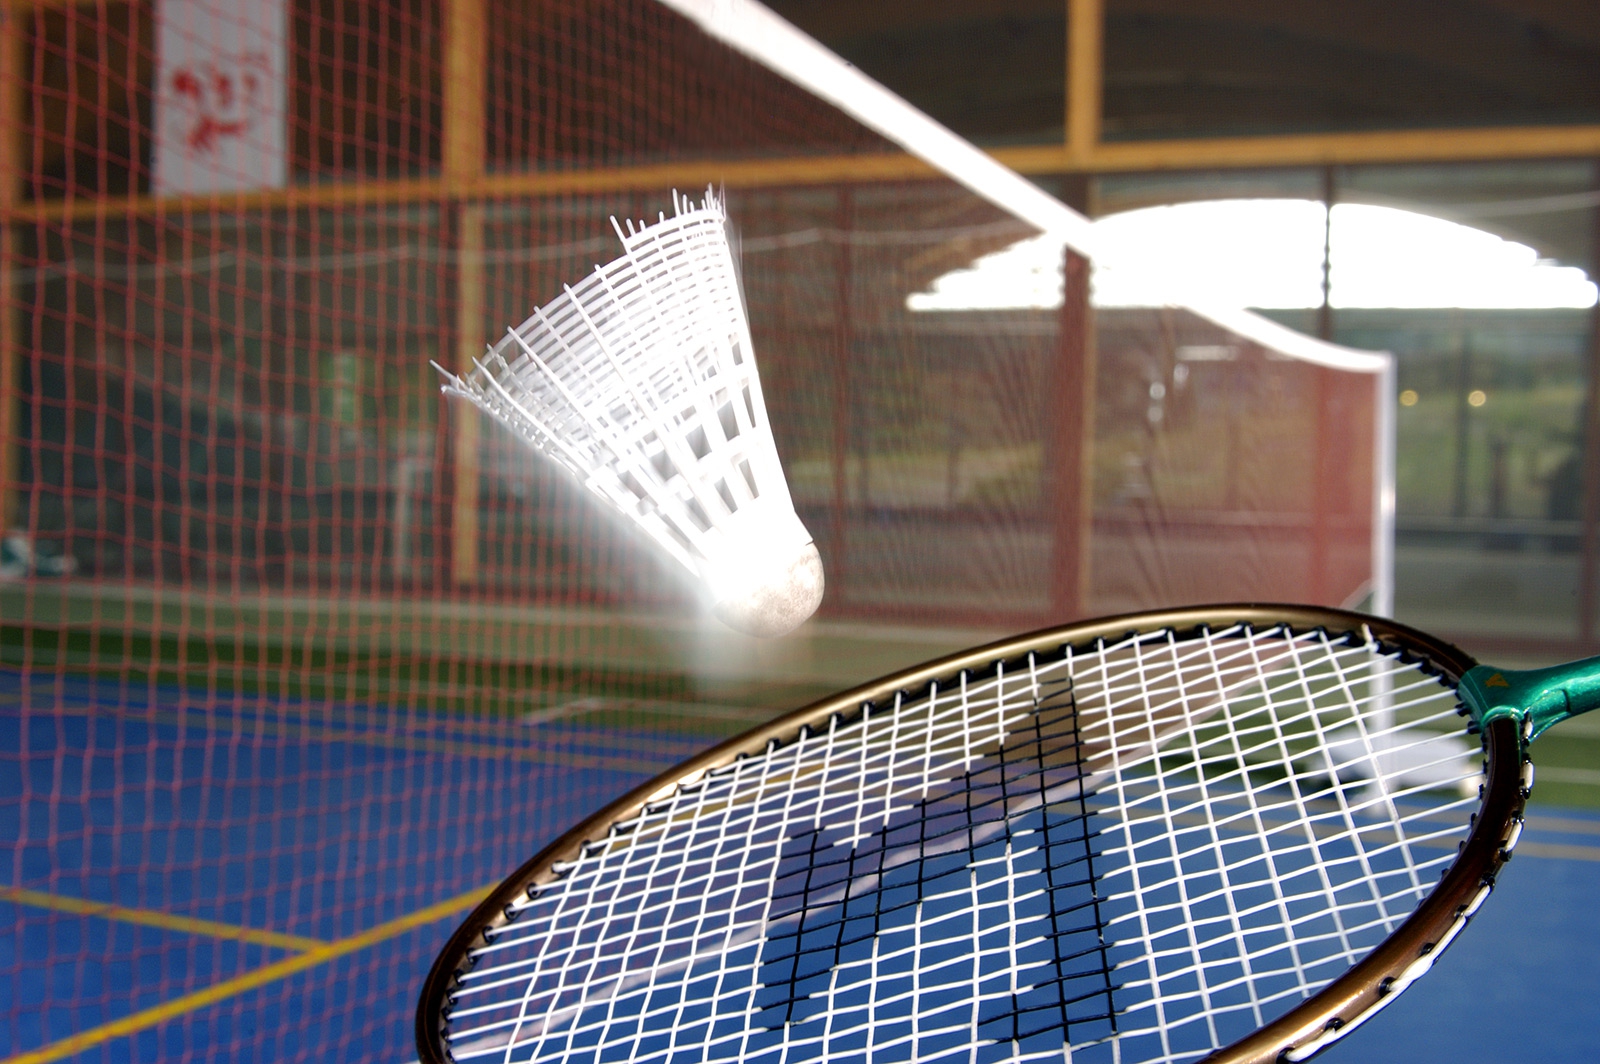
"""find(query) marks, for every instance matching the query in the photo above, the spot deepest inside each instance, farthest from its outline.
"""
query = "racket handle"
(1536, 698)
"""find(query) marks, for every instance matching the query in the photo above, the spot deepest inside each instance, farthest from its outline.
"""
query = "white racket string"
(1134, 851)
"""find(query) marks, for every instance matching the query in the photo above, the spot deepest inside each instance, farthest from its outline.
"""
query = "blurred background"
(1475, 112)
(283, 635)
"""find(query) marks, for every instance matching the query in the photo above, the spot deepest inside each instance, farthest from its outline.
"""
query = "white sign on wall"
(221, 99)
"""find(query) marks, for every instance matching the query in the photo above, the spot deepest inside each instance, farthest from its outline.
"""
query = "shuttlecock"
(641, 381)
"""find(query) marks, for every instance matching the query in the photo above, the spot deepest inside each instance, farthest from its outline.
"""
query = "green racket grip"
(1536, 697)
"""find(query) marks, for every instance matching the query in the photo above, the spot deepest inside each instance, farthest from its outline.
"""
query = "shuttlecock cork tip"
(770, 599)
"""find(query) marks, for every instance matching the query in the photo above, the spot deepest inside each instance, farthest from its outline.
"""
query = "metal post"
(843, 353)
(465, 142)
(1085, 57)
(1458, 506)
(1384, 494)
(1325, 312)
(1069, 423)
(1589, 568)
(11, 156)
(468, 425)
(1324, 444)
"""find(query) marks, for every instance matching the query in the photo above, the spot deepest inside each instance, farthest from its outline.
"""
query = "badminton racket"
(1231, 833)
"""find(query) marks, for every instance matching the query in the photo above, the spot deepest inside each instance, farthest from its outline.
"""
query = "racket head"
(1296, 1033)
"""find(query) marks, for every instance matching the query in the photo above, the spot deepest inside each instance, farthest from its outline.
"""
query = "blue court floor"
(244, 881)
(238, 880)
(1522, 982)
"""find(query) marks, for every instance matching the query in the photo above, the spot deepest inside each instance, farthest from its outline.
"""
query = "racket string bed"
(1141, 849)
(1251, 875)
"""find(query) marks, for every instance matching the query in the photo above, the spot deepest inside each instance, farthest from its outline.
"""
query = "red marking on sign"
(227, 96)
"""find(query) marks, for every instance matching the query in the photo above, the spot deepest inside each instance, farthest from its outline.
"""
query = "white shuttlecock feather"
(641, 381)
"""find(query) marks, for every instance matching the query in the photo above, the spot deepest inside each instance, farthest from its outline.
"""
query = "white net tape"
(1138, 852)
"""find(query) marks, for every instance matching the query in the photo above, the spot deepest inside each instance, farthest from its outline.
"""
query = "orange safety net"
(295, 653)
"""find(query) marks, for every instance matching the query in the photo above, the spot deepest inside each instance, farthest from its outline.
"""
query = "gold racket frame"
(1339, 1006)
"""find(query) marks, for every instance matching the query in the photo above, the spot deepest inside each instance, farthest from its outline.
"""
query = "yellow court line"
(1569, 825)
(140, 1021)
(1564, 850)
(336, 733)
(39, 899)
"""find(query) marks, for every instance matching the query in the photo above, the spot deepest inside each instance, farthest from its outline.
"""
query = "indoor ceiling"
(995, 70)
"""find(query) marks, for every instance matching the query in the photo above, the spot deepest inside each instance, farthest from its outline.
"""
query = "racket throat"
(1536, 698)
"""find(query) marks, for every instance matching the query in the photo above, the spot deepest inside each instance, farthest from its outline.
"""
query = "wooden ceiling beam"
(1127, 157)
(1315, 149)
